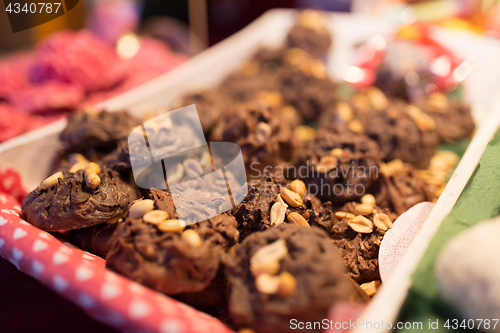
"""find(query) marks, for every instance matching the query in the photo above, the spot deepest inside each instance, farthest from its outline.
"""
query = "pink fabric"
(70, 69)
(78, 58)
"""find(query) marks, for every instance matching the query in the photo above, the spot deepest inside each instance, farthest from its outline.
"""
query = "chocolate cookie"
(401, 130)
(253, 213)
(66, 202)
(272, 200)
(93, 134)
(399, 188)
(97, 239)
(119, 158)
(338, 166)
(453, 119)
(284, 273)
(242, 85)
(287, 113)
(159, 251)
(270, 57)
(305, 85)
(265, 140)
(357, 231)
(311, 34)
(210, 104)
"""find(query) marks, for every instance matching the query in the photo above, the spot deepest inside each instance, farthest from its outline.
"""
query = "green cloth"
(479, 201)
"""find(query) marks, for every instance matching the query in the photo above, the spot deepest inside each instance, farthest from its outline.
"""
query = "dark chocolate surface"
(71, 205)
(312, 260)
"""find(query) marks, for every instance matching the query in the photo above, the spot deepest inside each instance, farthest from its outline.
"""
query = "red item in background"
(10, 183)
(13, 121)
(69, 69)
(14, 74)
(48, 97)
(78, 58)
(423, 53)
(153, 59)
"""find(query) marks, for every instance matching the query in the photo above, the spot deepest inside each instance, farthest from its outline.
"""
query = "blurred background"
(191, 25)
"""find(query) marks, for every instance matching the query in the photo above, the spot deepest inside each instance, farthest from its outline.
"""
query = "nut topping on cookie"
(368, 199)
(326, 164)
(344, 215)
(263, 132)
(172, 225)
(191, 237)
(139, 208)
(298, 187)
(291, 197)
(361, 224)
(297, 219)
(356, 126)
(155, 216)
(363, 209)
(382, 221)
(371, 287)
(277, 214)
(267, 284)
(77, 167)
(92, 167)
(288, 284)
(51, 181)
(264, 260)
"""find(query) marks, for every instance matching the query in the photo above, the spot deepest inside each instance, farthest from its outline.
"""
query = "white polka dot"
(24, 222)
(10, 211)
(1, 242)
(19, 233)
(109, 291)
(83, 273)
(138, 309)
(17, 254)
(112, 277)
(170, 326)
(60, 283)
(86, 300)
(37, 268)
(59, 258)
(3, 221)
(87, 256)
(65, 250)
(136, 288)
(45, 235)
(39, 245)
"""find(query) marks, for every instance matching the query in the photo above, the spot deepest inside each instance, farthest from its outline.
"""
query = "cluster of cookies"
(319, 201)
